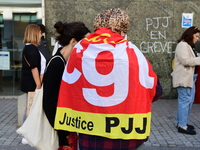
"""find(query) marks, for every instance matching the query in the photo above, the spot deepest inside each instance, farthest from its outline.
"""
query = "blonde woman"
(31, 62)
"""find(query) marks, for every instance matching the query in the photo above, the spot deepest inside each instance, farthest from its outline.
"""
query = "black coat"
(51, 85)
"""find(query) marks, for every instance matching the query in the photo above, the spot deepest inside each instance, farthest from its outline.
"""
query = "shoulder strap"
(26, 61)
(52, 59)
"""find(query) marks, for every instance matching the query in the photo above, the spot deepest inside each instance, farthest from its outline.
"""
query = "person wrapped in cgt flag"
(107, 87)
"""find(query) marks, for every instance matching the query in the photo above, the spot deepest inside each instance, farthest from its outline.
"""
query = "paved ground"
(164, 135)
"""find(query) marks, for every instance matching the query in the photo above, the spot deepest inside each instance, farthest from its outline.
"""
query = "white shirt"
(56, 46)
(43, 63)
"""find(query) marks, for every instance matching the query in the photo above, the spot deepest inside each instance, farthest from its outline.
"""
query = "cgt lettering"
(77, 122)
(113, 122)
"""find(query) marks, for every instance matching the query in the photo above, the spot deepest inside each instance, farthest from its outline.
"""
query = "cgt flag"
(107, 89)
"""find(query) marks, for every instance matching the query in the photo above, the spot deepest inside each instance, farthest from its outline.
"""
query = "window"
(21, 20)
(12, 27)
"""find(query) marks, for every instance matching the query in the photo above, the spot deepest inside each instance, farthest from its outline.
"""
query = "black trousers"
(62, 137)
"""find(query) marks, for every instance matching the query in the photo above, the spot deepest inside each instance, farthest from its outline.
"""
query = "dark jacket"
(51, 85)
(43, 48)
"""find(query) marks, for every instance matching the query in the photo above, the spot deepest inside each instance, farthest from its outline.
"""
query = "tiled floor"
(164, 134)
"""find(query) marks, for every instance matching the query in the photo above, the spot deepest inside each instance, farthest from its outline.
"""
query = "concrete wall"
(155, 26)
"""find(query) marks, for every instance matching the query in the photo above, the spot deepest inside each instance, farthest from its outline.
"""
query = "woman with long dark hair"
(184, 77)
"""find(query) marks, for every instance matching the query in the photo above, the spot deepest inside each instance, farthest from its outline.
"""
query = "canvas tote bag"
(37, 129)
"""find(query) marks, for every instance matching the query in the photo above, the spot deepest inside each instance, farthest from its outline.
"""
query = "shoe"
(24, 141)
(64, 148)
(187, 131)
(189, 126)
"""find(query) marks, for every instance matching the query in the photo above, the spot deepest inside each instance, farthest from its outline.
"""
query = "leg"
(177, 114)
(24, 141)
(185, 98)
(62, 137)
(193, 92)
(184, 101)
(24, 116)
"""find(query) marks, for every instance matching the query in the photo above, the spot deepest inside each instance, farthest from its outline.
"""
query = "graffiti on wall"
(158, 36)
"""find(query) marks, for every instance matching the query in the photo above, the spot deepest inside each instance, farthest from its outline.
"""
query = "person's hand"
(38, 86)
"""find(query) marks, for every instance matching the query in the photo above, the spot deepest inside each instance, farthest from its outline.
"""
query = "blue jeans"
(185, 101)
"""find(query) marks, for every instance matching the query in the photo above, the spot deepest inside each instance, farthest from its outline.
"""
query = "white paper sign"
(4, 60)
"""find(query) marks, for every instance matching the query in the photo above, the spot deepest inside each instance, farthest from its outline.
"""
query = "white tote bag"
(37, 129)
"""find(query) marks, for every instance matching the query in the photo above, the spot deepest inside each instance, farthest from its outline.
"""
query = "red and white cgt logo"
(118, 75)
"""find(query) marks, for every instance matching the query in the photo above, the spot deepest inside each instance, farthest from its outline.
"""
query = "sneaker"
(186, 131)
(24, 141)
(64, 148)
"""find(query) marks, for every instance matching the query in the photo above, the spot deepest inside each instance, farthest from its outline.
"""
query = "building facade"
(155, 27)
